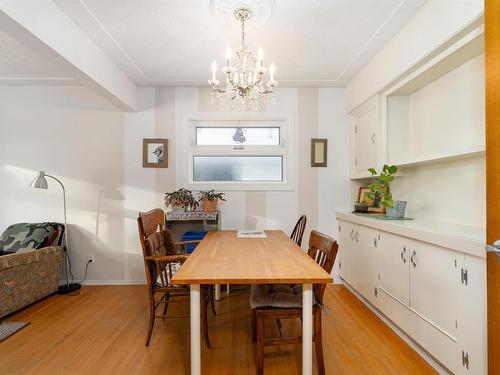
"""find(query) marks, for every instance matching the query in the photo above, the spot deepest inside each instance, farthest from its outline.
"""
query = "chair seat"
(284, 296)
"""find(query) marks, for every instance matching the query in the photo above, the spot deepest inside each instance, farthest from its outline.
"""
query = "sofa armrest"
(25, 257)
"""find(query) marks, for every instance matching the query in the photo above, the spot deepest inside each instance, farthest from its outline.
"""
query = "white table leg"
(307, 328)
(195, 329)
(217, 292)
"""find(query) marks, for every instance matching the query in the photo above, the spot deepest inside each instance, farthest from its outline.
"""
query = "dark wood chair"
(285, 302)
(298, 230)
(162, 257)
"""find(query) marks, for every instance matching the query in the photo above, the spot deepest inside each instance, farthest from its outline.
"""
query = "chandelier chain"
(243, 43)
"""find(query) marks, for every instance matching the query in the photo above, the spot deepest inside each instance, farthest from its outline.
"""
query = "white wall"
(96, 150)
(78, 137)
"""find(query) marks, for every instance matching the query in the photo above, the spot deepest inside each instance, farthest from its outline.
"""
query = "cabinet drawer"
(437, 343)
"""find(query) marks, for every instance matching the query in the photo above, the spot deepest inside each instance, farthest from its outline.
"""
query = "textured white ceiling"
(173, 42)
(20, 65)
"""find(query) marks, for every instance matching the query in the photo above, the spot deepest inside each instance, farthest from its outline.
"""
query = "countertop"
(467, 239)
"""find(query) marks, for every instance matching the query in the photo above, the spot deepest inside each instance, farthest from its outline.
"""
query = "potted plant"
(181, 200)
(381, 188)
(210, 200)
(361, 206)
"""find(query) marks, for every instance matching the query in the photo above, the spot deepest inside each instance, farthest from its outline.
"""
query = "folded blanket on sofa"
(31, 236)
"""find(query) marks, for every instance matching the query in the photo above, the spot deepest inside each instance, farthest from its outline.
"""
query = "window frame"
(187, 149)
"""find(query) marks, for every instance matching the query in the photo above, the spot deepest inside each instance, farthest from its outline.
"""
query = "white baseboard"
(414, 345)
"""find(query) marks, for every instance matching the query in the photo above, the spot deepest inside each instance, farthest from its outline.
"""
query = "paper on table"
(251, 234)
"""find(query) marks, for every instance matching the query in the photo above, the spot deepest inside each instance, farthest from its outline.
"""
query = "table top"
(223, 258)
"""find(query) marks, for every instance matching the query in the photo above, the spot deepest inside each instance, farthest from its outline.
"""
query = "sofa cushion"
(31, 236)
(276, 295)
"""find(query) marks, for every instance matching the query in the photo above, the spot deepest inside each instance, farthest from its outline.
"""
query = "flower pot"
(361, 208)
(209, 206)
(178, 208)
(397, 210)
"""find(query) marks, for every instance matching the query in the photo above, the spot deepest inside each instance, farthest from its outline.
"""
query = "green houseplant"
(181, 200)
(380, 190)
(210, 200)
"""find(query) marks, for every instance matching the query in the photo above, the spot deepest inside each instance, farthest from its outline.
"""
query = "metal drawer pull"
(373, 138)
(403, 254)
(352, 234)
(412, 259)
(356, 236)
(494, 249)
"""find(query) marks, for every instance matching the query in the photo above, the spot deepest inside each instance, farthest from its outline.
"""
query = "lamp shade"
(40, 182)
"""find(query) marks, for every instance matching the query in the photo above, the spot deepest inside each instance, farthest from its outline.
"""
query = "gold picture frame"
(371, 204)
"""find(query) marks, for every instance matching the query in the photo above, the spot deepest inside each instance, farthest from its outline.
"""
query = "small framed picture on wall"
(319, 148)
(154, 153)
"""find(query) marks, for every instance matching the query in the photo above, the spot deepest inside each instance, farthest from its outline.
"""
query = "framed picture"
(319, 148)
(154, 153)
(373, 204)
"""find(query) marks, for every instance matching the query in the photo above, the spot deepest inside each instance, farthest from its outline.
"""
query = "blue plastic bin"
(193, 236)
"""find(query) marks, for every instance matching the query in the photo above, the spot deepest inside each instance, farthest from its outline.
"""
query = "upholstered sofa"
(30, 264)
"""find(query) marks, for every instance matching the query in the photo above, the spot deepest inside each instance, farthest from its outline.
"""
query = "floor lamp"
(40, 182)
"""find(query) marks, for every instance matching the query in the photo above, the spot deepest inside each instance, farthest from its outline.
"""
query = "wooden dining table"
(223, 258)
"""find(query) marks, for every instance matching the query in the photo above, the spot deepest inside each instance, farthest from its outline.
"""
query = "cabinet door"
(394, 266)
(366, 142)
(472, 338)
(435, 285)
(367, 264)
(346, 252)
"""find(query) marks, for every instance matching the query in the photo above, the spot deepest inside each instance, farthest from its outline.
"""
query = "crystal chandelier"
(245, 85)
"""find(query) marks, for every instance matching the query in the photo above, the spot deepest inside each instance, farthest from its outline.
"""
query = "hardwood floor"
(102, 331)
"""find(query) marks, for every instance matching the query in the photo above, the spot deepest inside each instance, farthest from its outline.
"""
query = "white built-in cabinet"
(435, 113)
(435, 294)
(364, 138)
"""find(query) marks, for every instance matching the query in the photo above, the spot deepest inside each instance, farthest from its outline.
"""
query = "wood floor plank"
(102, 331)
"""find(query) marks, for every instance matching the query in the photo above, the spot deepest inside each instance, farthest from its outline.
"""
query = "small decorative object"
(210, 200)
(374, 205)
(319, 147)
(154, 153)
(181, 200)
(397, 210)
(361, 206)
(380, 187)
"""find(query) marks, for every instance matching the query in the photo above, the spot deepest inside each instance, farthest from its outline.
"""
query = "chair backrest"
(323, 249)
(154, 241)
(298, 230)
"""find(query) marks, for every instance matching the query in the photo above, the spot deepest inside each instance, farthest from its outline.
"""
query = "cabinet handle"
(356, 236)
(412, 259)
(373, 138)
(403, 254)
(352, 234)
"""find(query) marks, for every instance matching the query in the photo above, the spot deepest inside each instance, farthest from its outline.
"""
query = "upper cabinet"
(364, 138)
(433, 113)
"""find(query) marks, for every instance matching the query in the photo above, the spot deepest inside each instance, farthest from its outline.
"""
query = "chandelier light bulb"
(214, 69)
(260, 56)
(229, 53)
(272, 69)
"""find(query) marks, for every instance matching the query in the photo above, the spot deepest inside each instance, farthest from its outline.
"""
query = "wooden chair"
(162, 256)
(298, 230)
(285, 302)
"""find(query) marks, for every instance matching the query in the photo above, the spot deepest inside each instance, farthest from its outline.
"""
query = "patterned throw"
(31, 236)
(9, 328)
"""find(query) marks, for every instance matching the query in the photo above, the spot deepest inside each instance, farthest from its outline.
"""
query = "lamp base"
(68, 288)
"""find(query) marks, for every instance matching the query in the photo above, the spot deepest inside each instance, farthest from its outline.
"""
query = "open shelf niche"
(423, 122)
